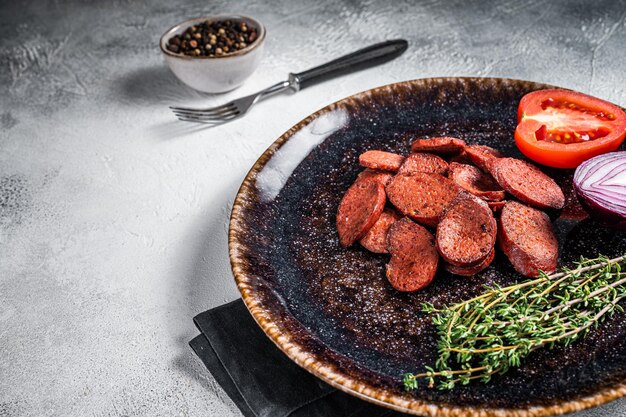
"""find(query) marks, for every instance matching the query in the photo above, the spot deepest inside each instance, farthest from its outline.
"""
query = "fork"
(363, 58)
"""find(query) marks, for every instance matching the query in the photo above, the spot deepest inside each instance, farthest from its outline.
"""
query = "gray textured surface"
(113, 216)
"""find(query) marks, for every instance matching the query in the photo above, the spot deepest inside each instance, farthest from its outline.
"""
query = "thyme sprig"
(494, 332)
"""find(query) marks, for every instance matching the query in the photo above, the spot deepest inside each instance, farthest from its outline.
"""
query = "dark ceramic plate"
(331, 309)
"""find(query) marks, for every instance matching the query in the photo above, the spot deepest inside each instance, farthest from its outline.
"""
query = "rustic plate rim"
(327, 372)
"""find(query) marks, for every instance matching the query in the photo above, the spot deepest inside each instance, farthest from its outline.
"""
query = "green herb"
(494, 332)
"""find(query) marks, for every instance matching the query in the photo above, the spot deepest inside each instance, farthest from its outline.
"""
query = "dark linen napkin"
(259, 378)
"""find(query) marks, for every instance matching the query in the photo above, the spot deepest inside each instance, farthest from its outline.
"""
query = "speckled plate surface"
(331, 309)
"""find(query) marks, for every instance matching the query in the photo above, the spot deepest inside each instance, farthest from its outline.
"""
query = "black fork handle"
(363, 58)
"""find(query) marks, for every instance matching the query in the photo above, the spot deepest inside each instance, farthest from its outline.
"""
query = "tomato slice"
(561, 128)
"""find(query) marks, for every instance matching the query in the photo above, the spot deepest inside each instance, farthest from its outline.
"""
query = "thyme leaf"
(492, 333)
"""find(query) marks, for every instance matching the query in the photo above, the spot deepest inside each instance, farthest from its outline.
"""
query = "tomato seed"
(561, 104)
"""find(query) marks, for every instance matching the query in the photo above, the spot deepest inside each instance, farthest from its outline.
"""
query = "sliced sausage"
(423, 162)
(414, 259)
(372, 175)
(468, 271)
(482, 155)
(527, 183)
(496, 206)
(476, 182)
(359, 209)
(375, 240)
(461, 158)
(467, 231)
(442, 145)
(385, 161)
(423, 197)
(526, 237)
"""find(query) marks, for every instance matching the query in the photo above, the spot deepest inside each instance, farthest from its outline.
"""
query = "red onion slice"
(600, 183)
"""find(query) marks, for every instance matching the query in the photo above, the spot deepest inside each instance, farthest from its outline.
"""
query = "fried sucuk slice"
(482, 155)
(442, 145)
(371, 174)
(461, 158)
(468, 271)
(359, 209)
(527, 183)
(476, 182)
(421, 196)
(385, 161)
(467, 231)
(526, 237)
(375, 240)
(496, 206)
(414, 259)
(423, 162)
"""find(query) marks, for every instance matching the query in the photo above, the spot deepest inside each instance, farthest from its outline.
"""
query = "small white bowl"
(216, 74)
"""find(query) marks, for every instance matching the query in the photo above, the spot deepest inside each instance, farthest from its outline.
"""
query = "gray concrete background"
(113, 216)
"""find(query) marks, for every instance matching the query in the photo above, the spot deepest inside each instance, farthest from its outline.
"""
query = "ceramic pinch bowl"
(214, 74)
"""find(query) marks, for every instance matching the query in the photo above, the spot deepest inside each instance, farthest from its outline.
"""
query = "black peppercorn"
(212, 38)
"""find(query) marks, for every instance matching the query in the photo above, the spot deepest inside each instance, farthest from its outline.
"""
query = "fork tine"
(212, 112)
(182, 119)
(221, 113)
(219, 108)
(231, 110)
(209, 116)
(208, 119)
(214, 122)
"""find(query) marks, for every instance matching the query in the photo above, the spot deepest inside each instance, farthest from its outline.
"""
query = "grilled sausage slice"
(385, 161)
(527, 183)
(375, 240)
(423, 162)
(466, 234)
(414, 259)
(372, 175)
(423, 197)
(482, 155)
(442, 145)
(526, 237)
(476, 182)
(468, 271)
(496, 206)
(359, 209)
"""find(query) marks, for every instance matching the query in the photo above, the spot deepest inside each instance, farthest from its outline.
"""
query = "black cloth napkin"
(259, 378)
